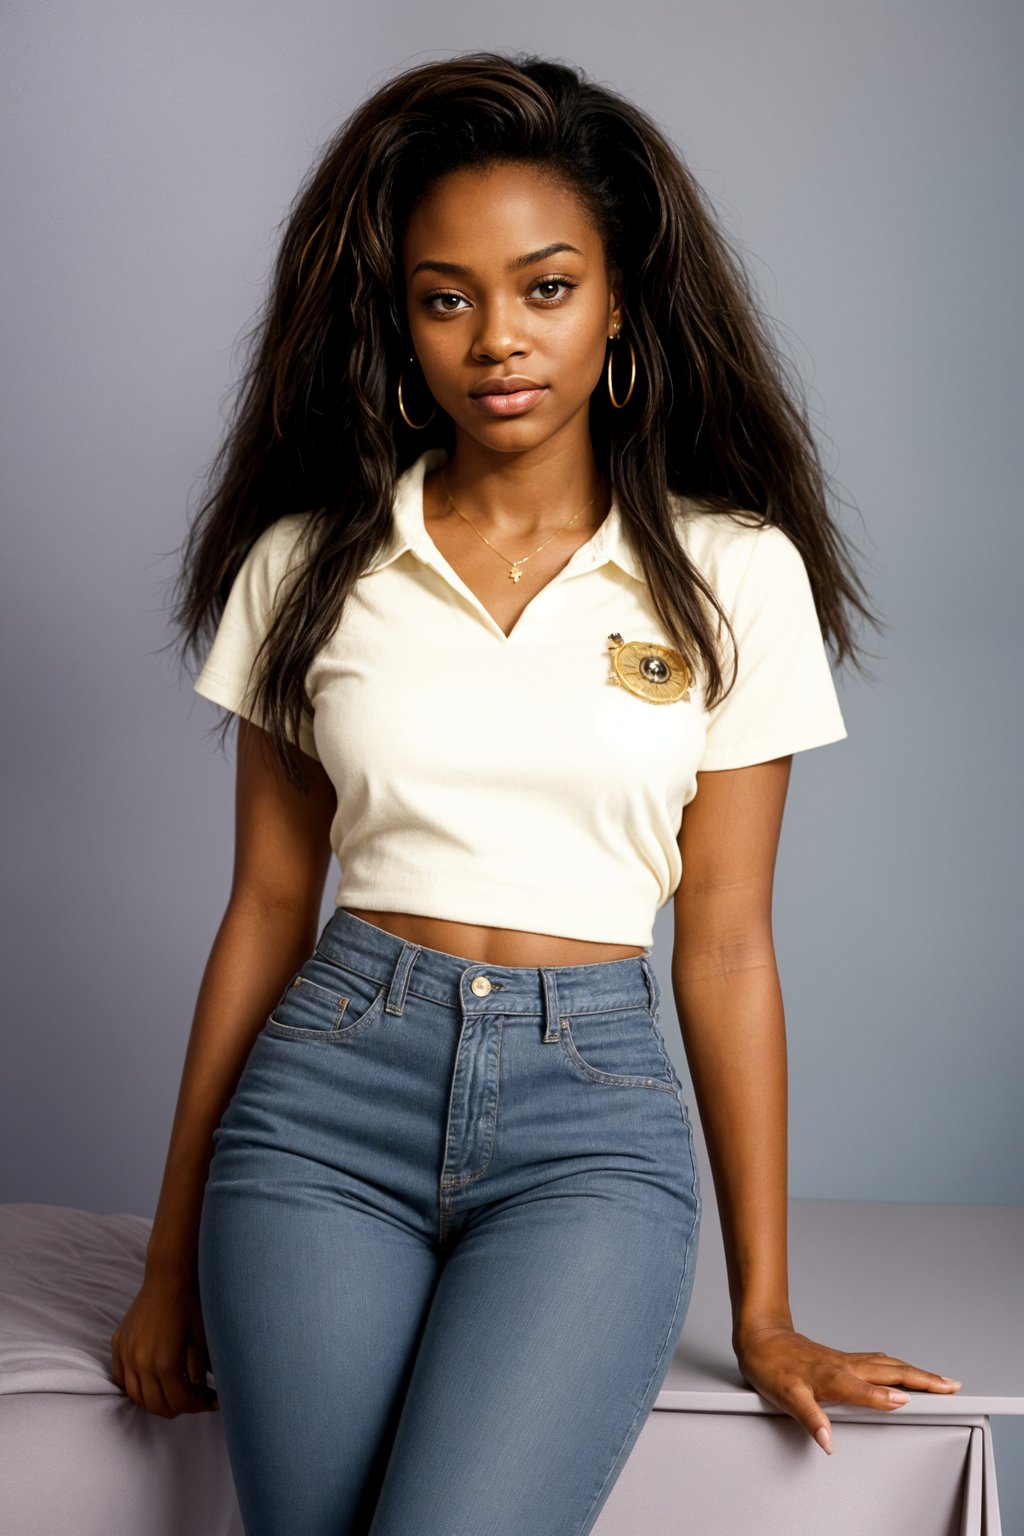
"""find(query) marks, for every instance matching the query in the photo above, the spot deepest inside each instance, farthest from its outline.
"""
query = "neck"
(523, 495)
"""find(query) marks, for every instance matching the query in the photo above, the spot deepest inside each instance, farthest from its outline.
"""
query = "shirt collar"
(409, 532)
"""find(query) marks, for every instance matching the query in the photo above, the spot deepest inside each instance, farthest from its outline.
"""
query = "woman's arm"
(282, 850)
(730, 1008)
(729, 1003)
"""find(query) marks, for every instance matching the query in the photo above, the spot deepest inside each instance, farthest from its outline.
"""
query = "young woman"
(519, 546)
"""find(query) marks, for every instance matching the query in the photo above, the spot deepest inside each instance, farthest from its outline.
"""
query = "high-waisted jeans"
(447, 1242)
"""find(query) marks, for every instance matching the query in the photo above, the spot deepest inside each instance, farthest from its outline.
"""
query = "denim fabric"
(447, 1242)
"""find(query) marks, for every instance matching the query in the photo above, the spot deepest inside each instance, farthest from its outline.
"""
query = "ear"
(615, 310)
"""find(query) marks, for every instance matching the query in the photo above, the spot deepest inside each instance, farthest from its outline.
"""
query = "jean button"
(480, 985)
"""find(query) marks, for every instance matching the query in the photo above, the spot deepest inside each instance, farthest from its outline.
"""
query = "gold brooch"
(653, 672)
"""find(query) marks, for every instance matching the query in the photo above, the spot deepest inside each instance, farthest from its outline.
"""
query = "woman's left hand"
(796, 1373)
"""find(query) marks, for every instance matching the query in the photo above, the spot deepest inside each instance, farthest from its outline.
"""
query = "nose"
(499, 334)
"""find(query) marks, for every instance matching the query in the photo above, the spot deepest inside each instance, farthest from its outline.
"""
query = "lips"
(511, 395)
(511, 384)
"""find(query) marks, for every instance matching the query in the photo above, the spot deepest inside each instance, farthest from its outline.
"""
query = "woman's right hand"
(158, 1351)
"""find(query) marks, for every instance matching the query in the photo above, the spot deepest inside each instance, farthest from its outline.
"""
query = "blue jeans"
(447, 1242)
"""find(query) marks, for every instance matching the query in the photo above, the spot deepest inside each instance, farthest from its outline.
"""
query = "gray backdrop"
(867, 160)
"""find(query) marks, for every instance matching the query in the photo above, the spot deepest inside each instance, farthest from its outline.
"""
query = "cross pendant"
(514, 573)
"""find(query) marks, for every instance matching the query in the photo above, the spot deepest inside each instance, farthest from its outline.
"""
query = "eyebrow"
(452, 268)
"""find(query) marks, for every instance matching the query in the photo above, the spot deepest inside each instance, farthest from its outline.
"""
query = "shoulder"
(737, 548)
(274, 551)
(281, 542)
(256, 584)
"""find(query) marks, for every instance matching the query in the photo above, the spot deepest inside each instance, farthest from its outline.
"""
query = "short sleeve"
(225, 676)
(783, 699)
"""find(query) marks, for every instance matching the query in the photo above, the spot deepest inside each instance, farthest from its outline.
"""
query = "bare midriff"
(494, 946)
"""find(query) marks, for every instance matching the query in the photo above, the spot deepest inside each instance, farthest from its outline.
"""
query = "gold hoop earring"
(618, 404)
(417, 426)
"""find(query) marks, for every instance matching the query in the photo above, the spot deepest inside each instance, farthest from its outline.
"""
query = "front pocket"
(326, 1002)
(620, 1047)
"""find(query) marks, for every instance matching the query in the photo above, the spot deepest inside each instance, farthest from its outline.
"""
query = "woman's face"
(506, 283)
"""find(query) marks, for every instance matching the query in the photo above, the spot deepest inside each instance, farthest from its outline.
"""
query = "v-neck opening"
(432, 555)
(438, 560)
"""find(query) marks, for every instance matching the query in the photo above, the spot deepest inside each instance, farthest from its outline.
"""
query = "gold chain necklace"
(514, 572)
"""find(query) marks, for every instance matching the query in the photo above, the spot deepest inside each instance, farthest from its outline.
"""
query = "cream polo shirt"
(505, 780)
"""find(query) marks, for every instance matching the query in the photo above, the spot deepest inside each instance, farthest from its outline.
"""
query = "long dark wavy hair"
(315, 428)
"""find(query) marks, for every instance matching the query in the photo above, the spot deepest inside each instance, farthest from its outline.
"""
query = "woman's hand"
(796, 1374)
(158, 1350)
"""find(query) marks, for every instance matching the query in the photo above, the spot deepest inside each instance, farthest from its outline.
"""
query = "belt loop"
(651, 980)
(552, 1023)
(400, 977)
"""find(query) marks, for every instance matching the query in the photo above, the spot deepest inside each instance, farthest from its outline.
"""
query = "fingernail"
(898, 1397)
(824, 1439)
(950, 1382)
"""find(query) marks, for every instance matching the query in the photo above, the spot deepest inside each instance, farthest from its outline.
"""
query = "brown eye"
(436, 302)
(552, 284)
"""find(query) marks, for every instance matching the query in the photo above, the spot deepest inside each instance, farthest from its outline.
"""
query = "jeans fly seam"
(471, 1178)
